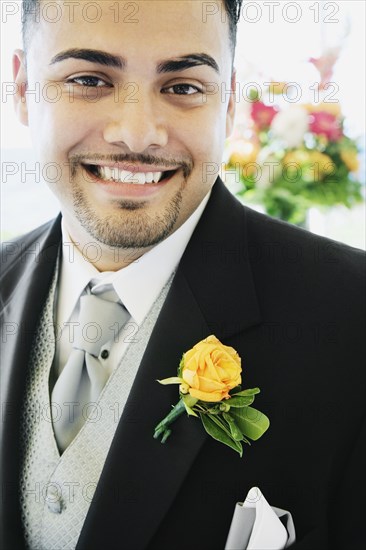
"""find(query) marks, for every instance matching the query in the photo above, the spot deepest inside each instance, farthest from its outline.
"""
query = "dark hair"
(30, 7)
(233, 8)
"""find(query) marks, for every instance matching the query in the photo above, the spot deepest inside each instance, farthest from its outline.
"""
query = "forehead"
(155, 27)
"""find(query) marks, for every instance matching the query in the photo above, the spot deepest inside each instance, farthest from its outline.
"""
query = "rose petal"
(213, 397)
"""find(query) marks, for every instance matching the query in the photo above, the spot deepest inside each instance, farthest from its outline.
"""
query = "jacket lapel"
(141, 476)
(25, 286)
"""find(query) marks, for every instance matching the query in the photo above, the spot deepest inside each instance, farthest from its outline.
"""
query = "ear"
(20, 79)
(230, 115)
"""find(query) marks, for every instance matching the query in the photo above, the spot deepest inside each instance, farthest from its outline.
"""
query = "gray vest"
(56, 492)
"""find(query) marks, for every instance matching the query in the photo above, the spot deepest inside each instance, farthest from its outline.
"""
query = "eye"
(88, 81)
(182, 89)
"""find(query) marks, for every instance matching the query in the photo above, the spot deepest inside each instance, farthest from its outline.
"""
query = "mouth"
(113, 174)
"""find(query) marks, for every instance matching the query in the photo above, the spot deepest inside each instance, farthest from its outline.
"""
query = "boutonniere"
(209, 378)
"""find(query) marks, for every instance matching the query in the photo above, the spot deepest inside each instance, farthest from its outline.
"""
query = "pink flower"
(262, 114)
(325, 65)
(325, 124)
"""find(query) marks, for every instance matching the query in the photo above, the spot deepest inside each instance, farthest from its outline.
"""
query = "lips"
(134, 176)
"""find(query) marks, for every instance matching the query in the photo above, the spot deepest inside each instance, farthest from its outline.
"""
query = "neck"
(101, 256)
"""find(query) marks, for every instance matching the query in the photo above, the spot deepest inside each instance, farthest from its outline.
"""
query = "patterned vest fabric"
(56, 492)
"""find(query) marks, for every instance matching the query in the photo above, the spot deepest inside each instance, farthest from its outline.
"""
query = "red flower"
(262, 114)
(325, 124)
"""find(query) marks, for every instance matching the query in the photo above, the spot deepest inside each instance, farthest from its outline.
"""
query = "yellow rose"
(332, 108)
(323, 163)
(244, 156)
(350, 159)
(299, 157)
(277, 88)
(211, 369)
(312, 165)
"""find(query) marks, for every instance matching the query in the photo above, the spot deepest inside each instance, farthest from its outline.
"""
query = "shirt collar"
(76, 273)
(138, 285)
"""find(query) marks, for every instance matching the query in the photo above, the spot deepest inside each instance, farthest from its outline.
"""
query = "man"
(137, 123)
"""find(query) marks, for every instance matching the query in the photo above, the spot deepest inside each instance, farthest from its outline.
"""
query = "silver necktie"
(81, 381)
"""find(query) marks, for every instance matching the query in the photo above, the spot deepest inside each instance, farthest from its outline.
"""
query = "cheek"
(204, 134)
(215, 127)
(56, 128)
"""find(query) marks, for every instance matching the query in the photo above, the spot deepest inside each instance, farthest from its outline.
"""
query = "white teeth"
(106, 173)
(140, 178)
(124, 176)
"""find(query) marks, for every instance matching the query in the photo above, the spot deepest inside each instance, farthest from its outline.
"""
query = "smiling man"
(127, 127)
(151, 254)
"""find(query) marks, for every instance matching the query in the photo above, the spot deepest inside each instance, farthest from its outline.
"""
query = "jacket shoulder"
(284, 241)
(25, 255)
(13, 251)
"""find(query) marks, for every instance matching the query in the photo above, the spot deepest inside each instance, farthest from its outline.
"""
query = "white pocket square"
(258, 526)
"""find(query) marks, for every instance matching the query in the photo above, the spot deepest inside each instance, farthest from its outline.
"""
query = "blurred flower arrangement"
(294, 156)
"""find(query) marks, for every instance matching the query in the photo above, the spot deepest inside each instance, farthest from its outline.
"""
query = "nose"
(136, 123)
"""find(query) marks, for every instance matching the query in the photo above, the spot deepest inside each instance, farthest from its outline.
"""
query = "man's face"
(149, 103)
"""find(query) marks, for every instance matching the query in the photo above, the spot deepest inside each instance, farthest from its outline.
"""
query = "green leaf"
(171, 380)
(190, 411)
(234, 430)
(189, 402)
(239, 401)
(218, 433)
(251, 422)
(181, 365)
(247, 393)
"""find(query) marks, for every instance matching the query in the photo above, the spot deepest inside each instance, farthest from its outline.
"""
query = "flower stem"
(162, 429)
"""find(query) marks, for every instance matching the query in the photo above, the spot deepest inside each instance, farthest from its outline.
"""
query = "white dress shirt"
(137, 285)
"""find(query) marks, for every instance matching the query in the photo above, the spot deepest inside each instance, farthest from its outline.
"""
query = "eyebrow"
(94, 56)
(168, 66)
(186, 62)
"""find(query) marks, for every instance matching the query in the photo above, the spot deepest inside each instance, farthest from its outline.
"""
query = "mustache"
(78, 159)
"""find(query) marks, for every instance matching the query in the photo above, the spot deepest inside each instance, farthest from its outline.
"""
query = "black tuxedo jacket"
(292, 305)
